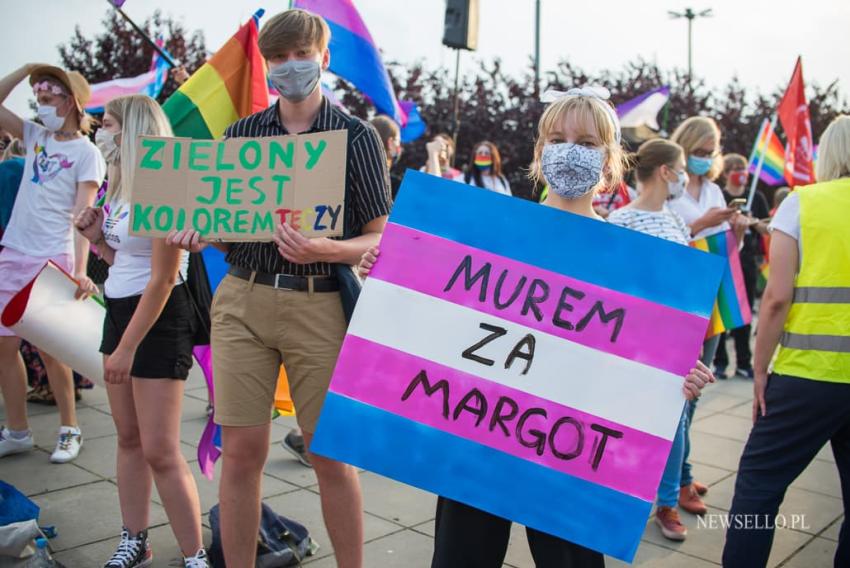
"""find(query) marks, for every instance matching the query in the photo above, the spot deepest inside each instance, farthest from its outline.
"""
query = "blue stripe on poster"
(580, 511)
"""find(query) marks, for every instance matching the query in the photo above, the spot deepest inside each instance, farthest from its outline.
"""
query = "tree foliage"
(118, 51)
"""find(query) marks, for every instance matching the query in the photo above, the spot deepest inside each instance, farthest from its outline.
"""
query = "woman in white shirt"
(485, 169)
(704, 209)
(62, 173)
(147, 346)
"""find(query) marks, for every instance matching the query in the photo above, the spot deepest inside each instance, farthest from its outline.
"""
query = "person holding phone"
(735, 192)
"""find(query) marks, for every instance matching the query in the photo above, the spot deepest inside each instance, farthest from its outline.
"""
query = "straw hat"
(75, 83)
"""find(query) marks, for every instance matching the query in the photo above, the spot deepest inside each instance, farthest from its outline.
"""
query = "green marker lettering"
(177, 154)
(263, 223)
(234, 188)
(215, 181)
(221, 220)
(141, 217)
(149, 160)
(195, 154)
(240, 223)
(261, 195)
(220, 164)
(201, 225)
(314, 153)
(278, 152)
(281, 181)
(254, 147)
(164, 218)
(181, 219)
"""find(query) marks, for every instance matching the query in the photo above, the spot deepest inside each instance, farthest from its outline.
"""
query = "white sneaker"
(9, 445)
(68, 445)
(200, 560)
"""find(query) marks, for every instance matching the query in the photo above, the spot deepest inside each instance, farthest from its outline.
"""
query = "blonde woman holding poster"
(62, 173)
(147, 346)
(578, 153)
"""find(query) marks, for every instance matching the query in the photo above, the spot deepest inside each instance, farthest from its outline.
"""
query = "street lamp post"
(690, 15)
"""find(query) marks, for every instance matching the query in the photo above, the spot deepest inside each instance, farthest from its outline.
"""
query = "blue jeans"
(668, 489)
(709, 348)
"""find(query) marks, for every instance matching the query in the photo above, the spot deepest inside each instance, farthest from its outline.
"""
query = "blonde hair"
(834, 152)
(693, 133)
(589, 110)
(138, 115)
(653, 154)
(292, 30)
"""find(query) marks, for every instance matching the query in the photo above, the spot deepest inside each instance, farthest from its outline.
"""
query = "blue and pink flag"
(519, 371)
(355, 58)
(149, 84)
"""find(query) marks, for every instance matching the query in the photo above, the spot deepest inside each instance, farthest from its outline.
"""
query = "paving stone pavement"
(81, 498)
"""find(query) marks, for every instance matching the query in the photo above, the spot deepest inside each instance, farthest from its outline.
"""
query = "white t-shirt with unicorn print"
(42, 222)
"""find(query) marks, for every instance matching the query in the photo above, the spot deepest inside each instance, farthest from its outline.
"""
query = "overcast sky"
(757, 40)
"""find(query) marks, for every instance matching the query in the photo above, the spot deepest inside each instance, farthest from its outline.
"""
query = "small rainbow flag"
(229, 86)
(773, 169)
(732, 309)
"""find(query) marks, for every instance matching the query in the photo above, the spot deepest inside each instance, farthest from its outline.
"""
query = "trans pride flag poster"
(523, 360)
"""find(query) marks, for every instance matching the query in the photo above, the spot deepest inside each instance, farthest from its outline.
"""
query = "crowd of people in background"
(51, 169)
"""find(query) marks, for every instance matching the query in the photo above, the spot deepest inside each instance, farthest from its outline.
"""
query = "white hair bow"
(593, 91)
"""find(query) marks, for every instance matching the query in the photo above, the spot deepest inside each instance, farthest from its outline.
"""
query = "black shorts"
(166, 351)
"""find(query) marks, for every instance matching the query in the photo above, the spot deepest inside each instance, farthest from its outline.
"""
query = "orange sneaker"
(700, 488)
(667, 519)
(690, 501)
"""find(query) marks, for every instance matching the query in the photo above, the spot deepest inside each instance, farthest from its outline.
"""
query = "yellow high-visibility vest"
(816, 341)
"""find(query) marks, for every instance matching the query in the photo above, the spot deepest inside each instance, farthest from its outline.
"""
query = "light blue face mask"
(699, 166)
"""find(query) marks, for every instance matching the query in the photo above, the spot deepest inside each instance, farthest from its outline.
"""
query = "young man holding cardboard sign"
(281, 303)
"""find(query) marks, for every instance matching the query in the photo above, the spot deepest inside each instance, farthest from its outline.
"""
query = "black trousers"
(467, 537)
(741, 335)
(802, 416)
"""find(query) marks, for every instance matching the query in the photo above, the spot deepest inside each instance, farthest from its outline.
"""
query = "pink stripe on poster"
(531, 428)
(590, 315)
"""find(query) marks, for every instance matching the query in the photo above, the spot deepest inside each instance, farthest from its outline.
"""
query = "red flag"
(794, 116)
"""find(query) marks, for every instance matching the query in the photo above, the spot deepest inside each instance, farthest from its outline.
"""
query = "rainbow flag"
(229, 86)
(773, 169)
(732, 309)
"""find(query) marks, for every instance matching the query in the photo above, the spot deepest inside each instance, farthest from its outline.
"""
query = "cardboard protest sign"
(239, 189)
(520, 359)
(46, 314)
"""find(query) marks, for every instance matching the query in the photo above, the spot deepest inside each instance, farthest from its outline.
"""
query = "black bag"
(349, 285)
(281, 541)
(200, 296)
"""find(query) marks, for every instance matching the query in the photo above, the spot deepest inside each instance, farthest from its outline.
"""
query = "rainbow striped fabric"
(732, 309)
(229, 86)
(773, 169)
(517, 371)
(149, 84)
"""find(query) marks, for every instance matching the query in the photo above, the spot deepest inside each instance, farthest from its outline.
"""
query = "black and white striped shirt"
(368, 181)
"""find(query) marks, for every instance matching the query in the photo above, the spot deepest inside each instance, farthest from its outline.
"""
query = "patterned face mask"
(571, 170)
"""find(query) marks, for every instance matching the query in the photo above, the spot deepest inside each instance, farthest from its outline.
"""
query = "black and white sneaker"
(133, 552)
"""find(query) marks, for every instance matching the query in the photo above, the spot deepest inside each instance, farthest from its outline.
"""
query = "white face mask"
(676, 188)
(49, 118)
(105, 142)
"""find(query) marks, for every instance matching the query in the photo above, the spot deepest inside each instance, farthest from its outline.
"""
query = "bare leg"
(158, 405)
(134, 475)
(342, 507)
(62, 384)
(244, 453)
(13, 383)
